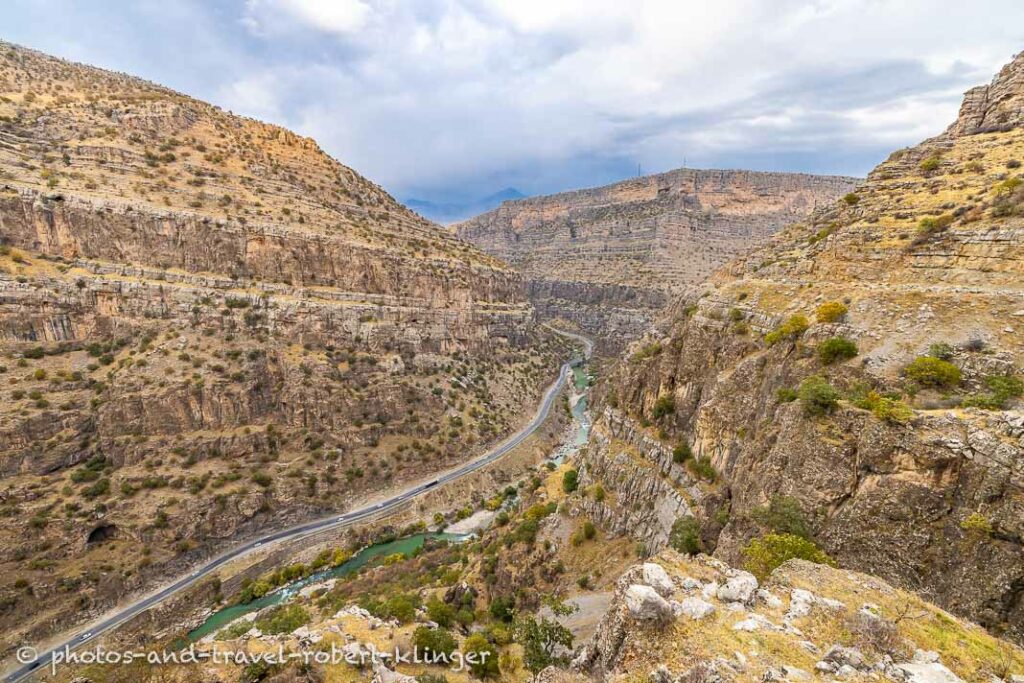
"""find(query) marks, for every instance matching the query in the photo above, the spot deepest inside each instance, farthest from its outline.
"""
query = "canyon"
(210, 328)
(609, 259)
(799, 457)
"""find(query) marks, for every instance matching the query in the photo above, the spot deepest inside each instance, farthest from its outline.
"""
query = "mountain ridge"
(608, 258)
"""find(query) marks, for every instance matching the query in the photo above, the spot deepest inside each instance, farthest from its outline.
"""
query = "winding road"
(92, 631)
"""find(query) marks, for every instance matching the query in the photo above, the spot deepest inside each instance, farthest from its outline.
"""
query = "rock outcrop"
(858, 629)
(608, 258)
(862, 373)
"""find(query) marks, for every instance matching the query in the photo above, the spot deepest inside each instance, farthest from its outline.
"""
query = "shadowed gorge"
(608, 259)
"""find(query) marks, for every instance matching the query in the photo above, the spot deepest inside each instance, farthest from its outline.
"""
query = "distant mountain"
(608, 258)
(450, 212)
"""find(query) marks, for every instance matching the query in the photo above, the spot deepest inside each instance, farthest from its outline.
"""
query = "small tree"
(682, 453)
(818, 396)
(831, 312)
(570, 481)
(685, 536)
(836, 349)
(665, 405)
(541, 639)
(933, 372)
(434, 642)
(791, 329)
(477, 647)
(764, 555)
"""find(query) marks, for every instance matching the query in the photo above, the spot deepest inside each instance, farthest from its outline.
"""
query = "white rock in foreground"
(657, 578)
(740, 588)
(925, 667)
(644, 603)
(694, 608)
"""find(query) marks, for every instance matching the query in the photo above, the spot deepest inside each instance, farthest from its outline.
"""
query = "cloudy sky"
(452, 99)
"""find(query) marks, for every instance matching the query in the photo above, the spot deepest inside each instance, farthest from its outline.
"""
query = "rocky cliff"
(855, 382)
(210, 327)
(681, 619)
(609, 258)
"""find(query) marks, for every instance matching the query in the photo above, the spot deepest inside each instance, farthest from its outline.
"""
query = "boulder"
(740, 588)
(925, 667)
(655, 576)
(644, 603)
(694, 608)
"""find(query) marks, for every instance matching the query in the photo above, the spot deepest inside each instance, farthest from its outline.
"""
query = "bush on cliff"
(933, 372)
(702, 469)
(886, 408)
(818, 396)
(836, 349)
(791, 329)
(682, 453)
(665, 405)
(1002, 388)
(831, 312)
(764, 555)
(685, 536)
(570, 481)
(782, 515)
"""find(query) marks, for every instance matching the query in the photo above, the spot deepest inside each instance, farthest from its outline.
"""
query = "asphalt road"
(93, 631)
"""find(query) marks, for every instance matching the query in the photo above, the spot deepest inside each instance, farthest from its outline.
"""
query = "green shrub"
(817, 395)
(440, 612)
(851, 199)
(685, 536)
(100, 488)
(764, 555)
(477, 647)
(933, 372)
(786, 395)
(930, 225)
(831, 312)
(434, 642)
(940, 350)
(665, 405)
(262, 478)
(283, 619)
(931, 163)
(782, 515)
(1001, 389)
(401, 606)
(885, 408)
(646, 352)
(682, 453)
(702, 468)
(977, 524)
(35, 352)
(836, 349)
(791, 329)
(502, 608)
(570, 481)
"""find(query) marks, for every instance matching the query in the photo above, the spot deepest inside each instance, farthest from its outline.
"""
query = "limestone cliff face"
(608, 258)
(899, 473)
(209, 327)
